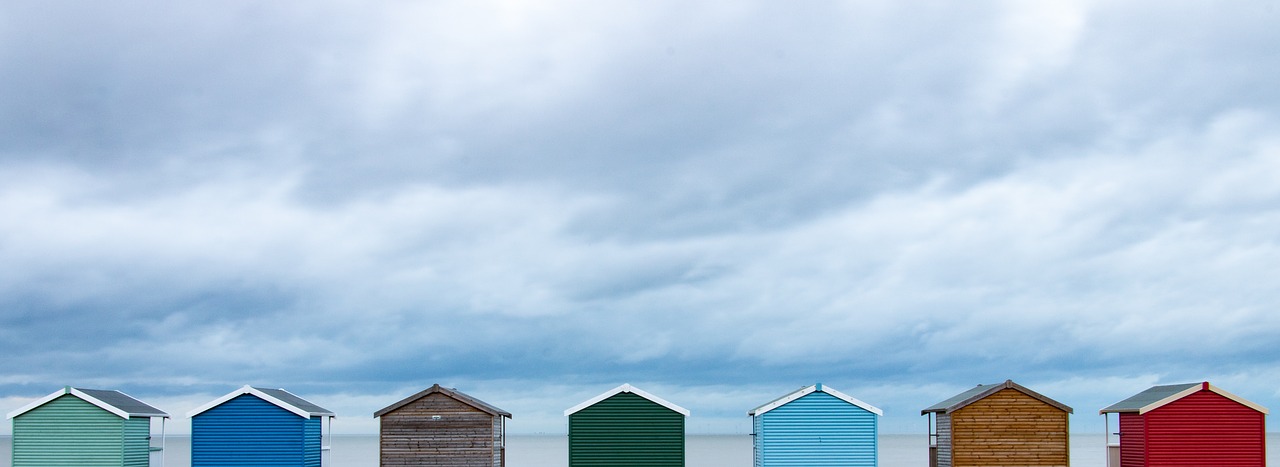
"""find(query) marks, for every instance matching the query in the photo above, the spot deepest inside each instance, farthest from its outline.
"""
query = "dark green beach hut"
(626, 427)
(84, 428)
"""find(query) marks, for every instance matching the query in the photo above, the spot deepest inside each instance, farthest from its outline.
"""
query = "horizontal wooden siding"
(248, 431)
(1204, 429)
(68, 431)
(817, 430)
(1009, 428)
(463, 436)
(626, 430)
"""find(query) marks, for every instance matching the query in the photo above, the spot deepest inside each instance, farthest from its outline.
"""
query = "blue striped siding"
(816, 430)
(248, 431)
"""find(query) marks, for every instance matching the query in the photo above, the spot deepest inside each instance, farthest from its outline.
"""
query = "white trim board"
(631, 389)
(784, 400)
(1197, 388)
(256, 393)
(74, 392)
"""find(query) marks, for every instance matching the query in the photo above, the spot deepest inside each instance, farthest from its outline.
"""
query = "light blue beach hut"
(815, 426)
(92, 427)
(258, 427)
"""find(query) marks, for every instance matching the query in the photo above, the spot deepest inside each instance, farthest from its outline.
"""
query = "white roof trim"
(809, 390)
(631, 389)
(247, 389)
(72, 391)
(1197, 388)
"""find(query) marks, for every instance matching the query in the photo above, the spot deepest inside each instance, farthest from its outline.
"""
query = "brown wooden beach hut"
(441, 426)
(1001, 424)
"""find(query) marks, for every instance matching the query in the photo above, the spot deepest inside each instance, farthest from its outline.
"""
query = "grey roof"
(983, 390)
(288, 398)
(120, 400)
(454, 393)
(1148, 397)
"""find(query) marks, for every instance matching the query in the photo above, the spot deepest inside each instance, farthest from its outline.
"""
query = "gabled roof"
(454, 393)
(631, 389)
(980, 392)
(278, 397)
(115, 402)
(784, 400)
(1157, 396)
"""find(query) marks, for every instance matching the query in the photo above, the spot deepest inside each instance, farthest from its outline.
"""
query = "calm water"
(702, 451)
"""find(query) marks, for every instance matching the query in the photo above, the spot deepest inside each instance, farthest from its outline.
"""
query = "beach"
(701, 451)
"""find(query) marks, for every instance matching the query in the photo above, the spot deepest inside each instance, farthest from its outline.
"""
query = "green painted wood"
(68, 431)
(626, 430)
(137, 446)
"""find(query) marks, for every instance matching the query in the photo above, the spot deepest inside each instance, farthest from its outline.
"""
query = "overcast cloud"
(717, 202)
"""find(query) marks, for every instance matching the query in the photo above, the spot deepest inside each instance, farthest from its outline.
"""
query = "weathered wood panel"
(438, 430)
(1009, 428)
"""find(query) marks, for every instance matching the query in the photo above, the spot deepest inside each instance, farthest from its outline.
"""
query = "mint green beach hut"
(85, 428)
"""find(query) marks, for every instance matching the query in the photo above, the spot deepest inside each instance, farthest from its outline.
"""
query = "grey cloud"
(897, 198)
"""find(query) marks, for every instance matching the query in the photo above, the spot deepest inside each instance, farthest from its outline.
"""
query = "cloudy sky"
(718, 202)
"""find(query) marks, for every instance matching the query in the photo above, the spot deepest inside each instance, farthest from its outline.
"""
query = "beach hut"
(1001, 424)
(258, 427)
(626, 426)
(442, 427)
(91, 427)
(1193, 424)
(815, 426)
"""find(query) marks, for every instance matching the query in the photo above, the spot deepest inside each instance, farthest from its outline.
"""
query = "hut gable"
(802, 392)
(277, 397)
(629, 389)
(115, 402)
(1160, 396)
(1000, 425)
(626, 426)
(1192, 424)
(441, 426)
(815, 426)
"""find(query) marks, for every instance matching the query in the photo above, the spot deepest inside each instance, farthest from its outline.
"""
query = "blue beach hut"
(815, 426)
(258, 427)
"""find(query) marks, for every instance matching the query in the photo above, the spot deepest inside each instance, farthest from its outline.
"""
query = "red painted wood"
(1133, 440)
(1203, 429)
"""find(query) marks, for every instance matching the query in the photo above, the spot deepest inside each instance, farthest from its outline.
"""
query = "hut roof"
(112, 401)
(804, 391)
(631, 389)
(963, 399)
(1157, 396)
(278, 397)
(454, 393)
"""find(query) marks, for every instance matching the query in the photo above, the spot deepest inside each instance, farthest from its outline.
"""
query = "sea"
(700, 451)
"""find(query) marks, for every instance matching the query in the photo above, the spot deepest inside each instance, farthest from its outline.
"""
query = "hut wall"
(248, 431)
(943, 422)
(137, 442)
(1133, 440)
(626, 429)
(499, 444)
(1009, 428)
(817, 429)
(463, 436)
(1205, 428)
(68, 431)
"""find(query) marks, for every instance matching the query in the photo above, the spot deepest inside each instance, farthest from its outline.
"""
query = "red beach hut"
(1193, 425)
